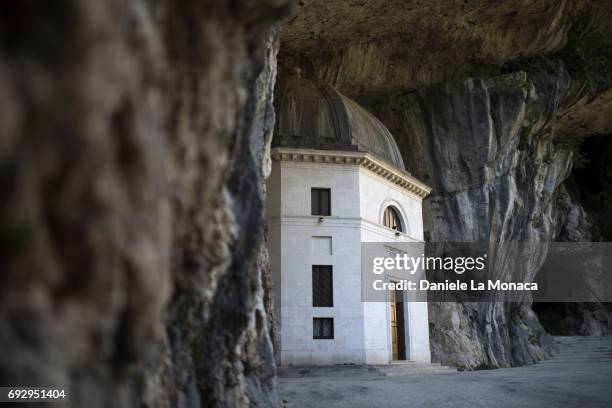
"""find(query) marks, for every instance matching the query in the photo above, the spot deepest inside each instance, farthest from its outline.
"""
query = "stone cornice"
(362, 159)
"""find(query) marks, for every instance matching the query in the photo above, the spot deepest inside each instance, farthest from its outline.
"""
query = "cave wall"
(489, 103)
(591, 185)
(133, 151)
(382, 46)
(133, 154)
(584, 214)
(487, 147)
(500, 153)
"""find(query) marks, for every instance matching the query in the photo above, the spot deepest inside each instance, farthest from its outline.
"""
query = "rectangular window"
(322, 328)
(320, 201)
(322, 286)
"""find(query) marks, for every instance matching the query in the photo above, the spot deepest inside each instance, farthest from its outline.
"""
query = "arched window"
(392, 219)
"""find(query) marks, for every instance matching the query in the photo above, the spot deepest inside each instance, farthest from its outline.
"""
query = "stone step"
(413, 369)
(419, 372)
(406, 362)
(585, 347)
(565, 363)
(579, 347)
(587, 344)
(585, 353)
(562, 338)
(577, 350)
(410, 367)
(598, 340)
(581, 358)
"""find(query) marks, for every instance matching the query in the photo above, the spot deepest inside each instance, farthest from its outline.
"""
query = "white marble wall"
(376, 194)
(361, 330)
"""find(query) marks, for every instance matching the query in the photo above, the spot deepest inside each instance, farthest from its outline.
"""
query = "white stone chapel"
(338, 180)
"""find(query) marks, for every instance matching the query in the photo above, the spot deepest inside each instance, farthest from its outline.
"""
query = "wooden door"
(398, 342)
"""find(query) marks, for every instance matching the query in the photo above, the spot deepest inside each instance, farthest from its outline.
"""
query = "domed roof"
(312, 114)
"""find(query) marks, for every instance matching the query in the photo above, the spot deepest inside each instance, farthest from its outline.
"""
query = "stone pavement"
(579, 376)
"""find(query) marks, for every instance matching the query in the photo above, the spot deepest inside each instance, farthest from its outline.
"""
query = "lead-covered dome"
(311, 114)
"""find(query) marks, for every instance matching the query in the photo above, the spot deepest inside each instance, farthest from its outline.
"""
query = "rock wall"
(498, 160)
(487, 148)
(132, 156)
(488, 103)
(382, 46)
(133, 153)
(584, 214)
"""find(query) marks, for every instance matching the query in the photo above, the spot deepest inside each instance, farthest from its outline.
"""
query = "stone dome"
(312, 114)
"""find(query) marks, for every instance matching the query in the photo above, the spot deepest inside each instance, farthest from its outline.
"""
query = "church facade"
(338, 180)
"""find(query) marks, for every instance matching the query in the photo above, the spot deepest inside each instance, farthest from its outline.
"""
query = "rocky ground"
(580, 375)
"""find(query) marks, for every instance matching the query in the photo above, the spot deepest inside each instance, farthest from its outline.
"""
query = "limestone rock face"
(490, 149)
(365, 46)
(132, 158)
(134, 144)
(489, 104)
(487, 148)
(576, 319)
(584, 214)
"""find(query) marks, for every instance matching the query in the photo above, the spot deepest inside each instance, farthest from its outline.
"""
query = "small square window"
(320, 200)
(322, 328)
